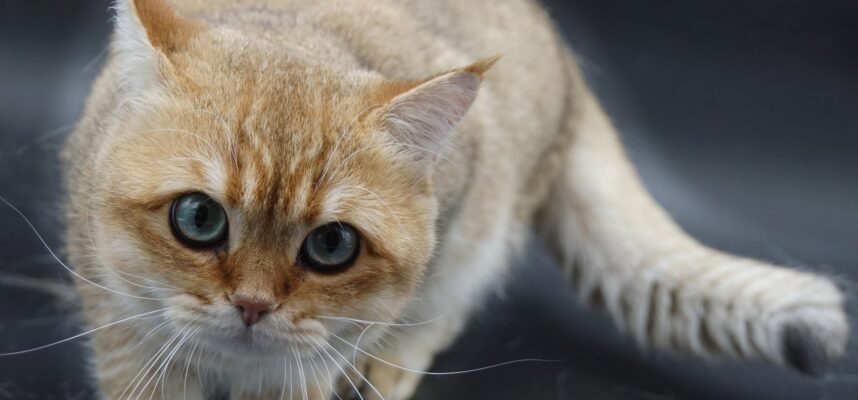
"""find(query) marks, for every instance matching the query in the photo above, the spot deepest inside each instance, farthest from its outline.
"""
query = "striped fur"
(622, 252)
(297, 113)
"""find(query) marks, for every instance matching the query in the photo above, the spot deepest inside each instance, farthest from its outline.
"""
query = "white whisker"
(148, 367)
(316, 377)
(301, 374)
(163, 378)
(151, 333)
(354, 153)
(389, 210)
(283, 387)
(164, 362)
(291, 384)
(367, 322)
(357, 342)
(57, 258)
(342, 371)
(15, 353)
(370, 324)
(337, 143)
(328, 369)
(97, 251)
(361, 375)
(227, 128)
(442, 373)
(45, 138)
(187, 367)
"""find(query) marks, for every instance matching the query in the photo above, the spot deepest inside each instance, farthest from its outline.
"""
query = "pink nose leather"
(251, 310)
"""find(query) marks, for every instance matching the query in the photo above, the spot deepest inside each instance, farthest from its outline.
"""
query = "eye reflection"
(331, 247)
(198, 221)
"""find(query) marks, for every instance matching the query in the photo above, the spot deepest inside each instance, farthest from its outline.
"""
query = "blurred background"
(742, 116)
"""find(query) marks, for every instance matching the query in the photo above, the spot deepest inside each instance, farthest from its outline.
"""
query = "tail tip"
(805, 351)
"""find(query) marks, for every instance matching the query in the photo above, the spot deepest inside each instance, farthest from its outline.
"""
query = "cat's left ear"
(148, 34)
(423, 116)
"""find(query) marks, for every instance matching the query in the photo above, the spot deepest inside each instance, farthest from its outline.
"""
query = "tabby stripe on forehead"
(234, 185)
(238, 142)
(301, 188)
(255, 194)
(314, 203)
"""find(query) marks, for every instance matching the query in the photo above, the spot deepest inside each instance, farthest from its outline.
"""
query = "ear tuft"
(425, 114)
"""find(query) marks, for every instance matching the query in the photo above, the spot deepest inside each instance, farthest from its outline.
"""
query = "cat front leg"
(622, 251)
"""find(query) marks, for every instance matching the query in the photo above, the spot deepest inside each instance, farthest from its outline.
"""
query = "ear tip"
(480, 67)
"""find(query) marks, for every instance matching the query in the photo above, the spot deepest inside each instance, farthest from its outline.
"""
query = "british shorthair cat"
(256, 183)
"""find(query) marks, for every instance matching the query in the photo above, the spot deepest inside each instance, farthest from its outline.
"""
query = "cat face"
(256, 196)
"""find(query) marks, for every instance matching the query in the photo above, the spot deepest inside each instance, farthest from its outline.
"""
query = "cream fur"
(523, 146)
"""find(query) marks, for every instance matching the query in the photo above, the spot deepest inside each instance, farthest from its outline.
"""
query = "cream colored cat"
(254, 183)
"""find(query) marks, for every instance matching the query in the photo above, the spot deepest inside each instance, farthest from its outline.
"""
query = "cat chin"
(246, 378)
(255, 346)
(253, 366)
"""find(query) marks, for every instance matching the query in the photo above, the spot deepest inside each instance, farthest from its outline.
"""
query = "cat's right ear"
(148, 33)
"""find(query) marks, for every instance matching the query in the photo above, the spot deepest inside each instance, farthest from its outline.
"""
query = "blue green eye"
(198, 221)
(331, 247)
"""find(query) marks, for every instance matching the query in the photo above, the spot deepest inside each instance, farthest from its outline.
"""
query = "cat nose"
(251, 310)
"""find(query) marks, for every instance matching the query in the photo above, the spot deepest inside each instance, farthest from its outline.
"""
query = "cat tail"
(622, 251)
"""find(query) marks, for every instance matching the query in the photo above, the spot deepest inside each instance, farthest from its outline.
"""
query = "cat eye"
(331, 247)
(198, 221)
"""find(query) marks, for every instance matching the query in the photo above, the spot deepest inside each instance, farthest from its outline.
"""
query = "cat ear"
(424, 116)
(148, 33)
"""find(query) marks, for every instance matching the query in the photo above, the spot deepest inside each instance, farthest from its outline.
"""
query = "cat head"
(255, 195)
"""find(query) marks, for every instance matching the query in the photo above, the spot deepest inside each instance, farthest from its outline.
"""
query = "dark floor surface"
(741, 115)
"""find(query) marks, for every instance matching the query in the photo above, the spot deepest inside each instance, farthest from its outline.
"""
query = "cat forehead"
(295, 168)
(257, 142)
(288, 116)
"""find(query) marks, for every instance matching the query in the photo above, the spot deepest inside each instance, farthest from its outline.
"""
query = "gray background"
(741, 116)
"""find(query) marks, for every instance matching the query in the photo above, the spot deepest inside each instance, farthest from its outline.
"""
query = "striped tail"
(620, 250)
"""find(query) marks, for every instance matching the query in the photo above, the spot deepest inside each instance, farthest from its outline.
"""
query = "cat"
(259, 190)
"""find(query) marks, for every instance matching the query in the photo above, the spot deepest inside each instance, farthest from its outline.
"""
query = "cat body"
(293, 114)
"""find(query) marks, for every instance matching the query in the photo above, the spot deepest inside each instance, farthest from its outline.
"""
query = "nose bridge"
(262, 276)
(255, 286)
